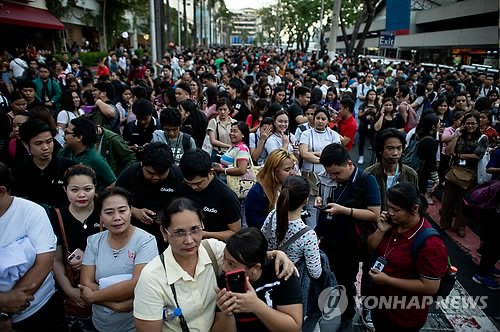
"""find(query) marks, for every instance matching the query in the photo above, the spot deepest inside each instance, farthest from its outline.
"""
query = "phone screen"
(236, 281)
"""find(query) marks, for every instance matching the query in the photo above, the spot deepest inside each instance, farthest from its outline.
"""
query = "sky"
(239, 4)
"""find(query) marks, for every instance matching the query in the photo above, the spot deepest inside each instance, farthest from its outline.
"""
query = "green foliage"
(57, 9)
(89, 58)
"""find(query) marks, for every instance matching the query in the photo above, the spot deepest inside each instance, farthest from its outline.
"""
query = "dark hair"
(224, 101)
(260, 106)
(273, 109)
(5, 177)
(316, 96)
(482, 104)
(294, 191)
(142, 108)
(390, 91)
(406, 195)
(159, 156)
(195, 163)
(277, 89)
(17, 95)
(169, 93)
(112, 191)
(301, 91)
(179, 205)
(420, 90)
(212, 94)
(347, 103)
(243, 127)
(385, 134)
(185, 87)
(139, 92)
(489, 116)
(79, 169)
(321, 109)
(426, 123)
(334, 154)
(404, 90)
(26, 84)
(248, 246)
(32, 128)
(106, 87)
(67, 103)
(86, 129)
(457, 115)
(171, 116)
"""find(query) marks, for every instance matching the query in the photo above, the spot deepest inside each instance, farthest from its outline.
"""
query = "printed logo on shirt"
(212, 210)
(131, 257)
(167, 190)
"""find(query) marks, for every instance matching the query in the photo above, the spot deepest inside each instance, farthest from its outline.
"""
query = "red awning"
(11, 13)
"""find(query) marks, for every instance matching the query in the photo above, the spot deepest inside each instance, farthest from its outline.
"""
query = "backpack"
(186, 142)
(410, 155)
(448, 280)
(412, 119)
(484, 196)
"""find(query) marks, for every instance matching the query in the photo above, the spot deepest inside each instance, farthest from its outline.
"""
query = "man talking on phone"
(352, 200)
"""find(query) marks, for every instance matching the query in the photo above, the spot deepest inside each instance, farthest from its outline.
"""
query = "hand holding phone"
(236, 281)
(76, 258)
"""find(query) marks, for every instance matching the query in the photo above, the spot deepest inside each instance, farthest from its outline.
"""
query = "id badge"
(379, 264)
(462, 162)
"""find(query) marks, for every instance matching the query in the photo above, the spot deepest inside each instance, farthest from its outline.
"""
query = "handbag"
(242, 184)
(70, 306)
(460, 176)
(482, 176)
(207, 145)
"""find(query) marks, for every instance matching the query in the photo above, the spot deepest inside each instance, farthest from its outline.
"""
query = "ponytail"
(282, 214)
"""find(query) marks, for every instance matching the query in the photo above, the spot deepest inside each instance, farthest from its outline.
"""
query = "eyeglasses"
(69, 133)
(182, 234)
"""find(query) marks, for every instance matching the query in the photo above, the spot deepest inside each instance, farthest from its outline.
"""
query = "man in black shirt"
(40, 178)
(139, 133)
(296, 110)
(220, 205)
(154, 182)
(240, 111)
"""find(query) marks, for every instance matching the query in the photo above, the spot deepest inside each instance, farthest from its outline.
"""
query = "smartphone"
(322, 208)
(139, 147)
(388, 219)
(236, 281)
(156, 218)
(76, 255)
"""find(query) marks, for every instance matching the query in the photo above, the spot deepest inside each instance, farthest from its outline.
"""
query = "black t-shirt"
(74, 229)
(42, 186)
(133, 133)
(34, 103)
(272, 291)
(239, 106)
(294, 110)
(154, 197)
(219, 203)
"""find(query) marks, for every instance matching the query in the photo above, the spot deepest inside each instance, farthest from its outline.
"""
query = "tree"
(195, 39)
(169, 22)
(357, 12)
(184, 4)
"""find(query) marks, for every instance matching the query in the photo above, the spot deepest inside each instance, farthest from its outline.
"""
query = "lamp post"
(413, 53)
(178, 24)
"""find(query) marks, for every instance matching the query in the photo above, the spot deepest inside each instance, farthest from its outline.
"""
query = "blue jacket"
(256, 205)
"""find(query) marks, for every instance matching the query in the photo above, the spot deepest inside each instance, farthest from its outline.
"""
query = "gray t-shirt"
(140, 249)
(176, 145)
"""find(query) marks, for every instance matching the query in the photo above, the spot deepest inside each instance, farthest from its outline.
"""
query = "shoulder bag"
(70, 306)
(242, 184)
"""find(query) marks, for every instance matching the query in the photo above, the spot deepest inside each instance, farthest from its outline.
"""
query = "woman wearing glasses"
(113, 261)
(187, 260)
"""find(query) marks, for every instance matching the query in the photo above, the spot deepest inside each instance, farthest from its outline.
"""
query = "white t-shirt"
(299, 131)
(25, 220)
(254, 143)
(65, 117)
(275, 142)
(316, 141)
(18, 66)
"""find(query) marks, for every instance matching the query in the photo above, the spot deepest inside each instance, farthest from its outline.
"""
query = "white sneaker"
(361, 160)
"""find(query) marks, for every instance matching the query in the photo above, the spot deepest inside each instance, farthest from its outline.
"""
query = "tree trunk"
(169, 22)
(210, 23)
(104, 32)
(370, 17)
(202, 27)
(185, 24)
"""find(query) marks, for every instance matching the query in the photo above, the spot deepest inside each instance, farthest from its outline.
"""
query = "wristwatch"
(4, 316)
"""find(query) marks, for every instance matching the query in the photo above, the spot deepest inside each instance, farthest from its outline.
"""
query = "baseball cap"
(332, 78)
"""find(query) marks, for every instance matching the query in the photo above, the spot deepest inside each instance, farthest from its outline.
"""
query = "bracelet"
(351, 213)
(225, 171)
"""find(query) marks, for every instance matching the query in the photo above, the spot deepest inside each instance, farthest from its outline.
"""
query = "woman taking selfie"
(255, 309)
(113, 262)
(401, 275)
(189, 266)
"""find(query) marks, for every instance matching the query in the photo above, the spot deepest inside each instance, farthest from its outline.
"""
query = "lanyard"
(394, 179)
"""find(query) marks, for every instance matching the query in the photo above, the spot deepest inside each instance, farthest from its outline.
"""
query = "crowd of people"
(118, 205)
